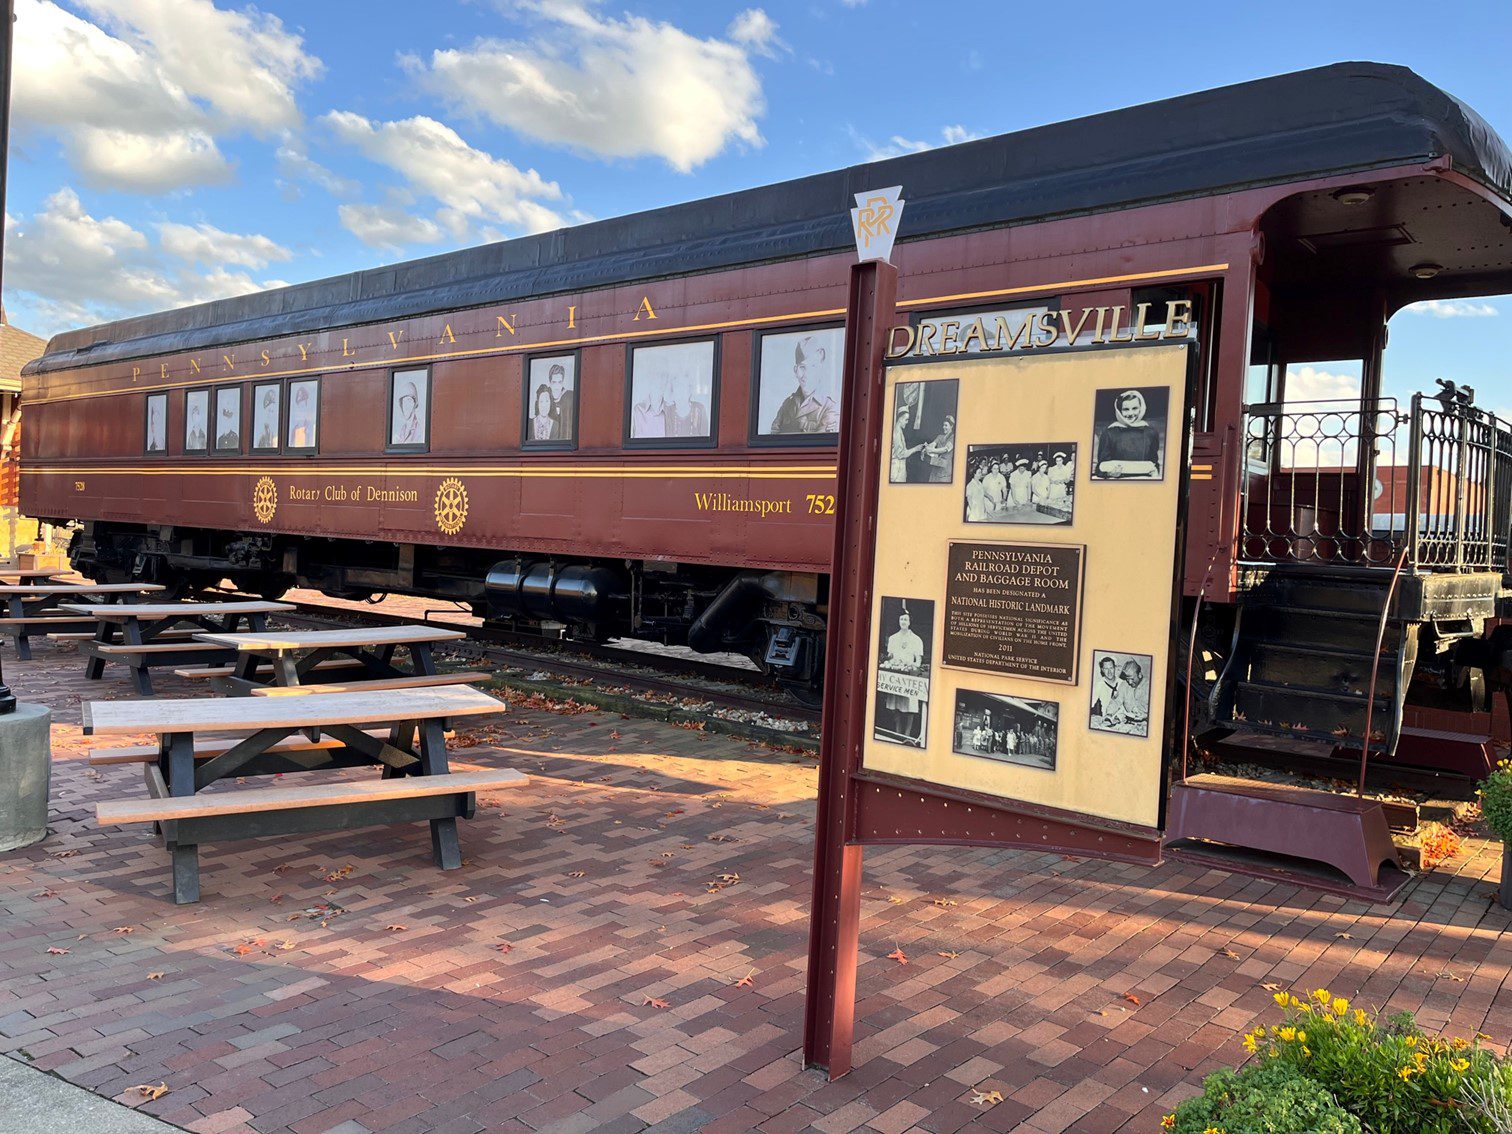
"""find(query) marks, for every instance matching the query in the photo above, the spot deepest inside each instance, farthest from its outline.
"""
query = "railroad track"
(596, 663)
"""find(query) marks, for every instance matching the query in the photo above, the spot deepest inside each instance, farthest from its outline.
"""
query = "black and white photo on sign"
(1031, 483)
(265, 399)
(304, 413)
(672, 390)
(924, 432)
(409, 412)
(798, 386)
(197, 421)
(1120, 697)
(1015, 730)
(228, 418)
(552, 408)
(905, 641)
(157, 423)
(1128, 433)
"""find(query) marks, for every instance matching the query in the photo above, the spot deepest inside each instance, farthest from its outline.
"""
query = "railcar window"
(409, 411)
(157, 423)
(796, 399)
(197, 421)
(304, 416)
(267, 401)
(550, 400)
(672, 395)
(228, 411)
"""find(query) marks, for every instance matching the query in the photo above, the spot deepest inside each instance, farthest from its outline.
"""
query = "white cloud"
(1309, 384)
(472, 188)
(297, 165)
(756, 30)
(387, 226)
(205, 244)
(1314, 435)
(140, 95)
(897, 145)
(1453, 309)
(82, 269)
(625, 87)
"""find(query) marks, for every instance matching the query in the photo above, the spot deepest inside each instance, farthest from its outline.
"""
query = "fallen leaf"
(986, 1098)
(338, 875)
(898, 955)
(654, 1002)
(56, 952)
(149, 1091)
(396, 928)
(124, 929)
(47, 894)
(1344, 936)
(949, 956)
(474, 898)
(1132, 999)
(944, 902)
(504, 946)
(894, 900)
(1271, 987)
(1231, 955)
(578, 874)
(156, 976)
(747, 981)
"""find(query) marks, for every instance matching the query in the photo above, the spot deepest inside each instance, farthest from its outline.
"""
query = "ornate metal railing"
(1348, 483)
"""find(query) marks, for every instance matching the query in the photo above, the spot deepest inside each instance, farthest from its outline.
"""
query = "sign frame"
(858, 806)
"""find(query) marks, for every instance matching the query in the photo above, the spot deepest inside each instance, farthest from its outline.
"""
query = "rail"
(1354, 483)
(1375, 671)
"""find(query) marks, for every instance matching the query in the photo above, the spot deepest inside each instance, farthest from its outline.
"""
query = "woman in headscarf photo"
(1128, 446)
(543, 422)
(409, 429)
(904, 651)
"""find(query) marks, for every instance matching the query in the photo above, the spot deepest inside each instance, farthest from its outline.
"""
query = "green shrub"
(1266, 1098)
(1388, 1074)
(1496, 801)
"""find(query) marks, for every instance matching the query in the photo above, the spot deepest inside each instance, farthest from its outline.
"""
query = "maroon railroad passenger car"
(627, 428)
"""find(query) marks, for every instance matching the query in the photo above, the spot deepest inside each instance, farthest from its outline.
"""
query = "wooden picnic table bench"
(296, 657)
(416, 783)
(32, 605)
(138, 634)
(21, 574)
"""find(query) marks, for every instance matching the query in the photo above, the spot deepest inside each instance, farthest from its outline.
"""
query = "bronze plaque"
(1014, 608)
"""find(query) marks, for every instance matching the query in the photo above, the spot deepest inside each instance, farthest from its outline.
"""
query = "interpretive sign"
(1013, 608)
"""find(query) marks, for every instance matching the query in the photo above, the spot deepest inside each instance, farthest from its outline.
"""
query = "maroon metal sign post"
(835, 919)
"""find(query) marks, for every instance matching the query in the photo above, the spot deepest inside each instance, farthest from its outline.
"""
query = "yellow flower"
(1406, 1073)
(1410, 1041)
(1288, 1034)
(1249, 1043)
(1306, 1050)
(1321, 995)
(1460, 1065)
(1301, 1036)
(1168, 1122)
(1360, 1017)
(1421, 1059)
(1460, 1043)
(1281, 998)
(1340, 1006)
(1213, 1130)
(1295, 1003)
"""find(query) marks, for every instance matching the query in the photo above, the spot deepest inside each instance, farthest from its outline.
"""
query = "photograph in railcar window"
(157, 423)
(196, 421)
(265, 407)
(551, 400)
(798, 383)
(1128, 433)
(905, 640)
(1121, 693)
(409, 409)
(1015, 730)
(672, 392)
(924, 432)
(1033, 483)
(304, 414)
(228, 408)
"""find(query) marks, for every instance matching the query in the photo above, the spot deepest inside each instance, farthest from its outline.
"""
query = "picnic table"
(144, 635)
(416, 784)
(22, 574)
(357, 658)
(32, 605)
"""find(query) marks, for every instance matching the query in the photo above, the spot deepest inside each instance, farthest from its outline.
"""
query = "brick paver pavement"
(586, 968)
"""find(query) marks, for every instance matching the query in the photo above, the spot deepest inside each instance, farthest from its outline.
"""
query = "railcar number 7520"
(821, 504)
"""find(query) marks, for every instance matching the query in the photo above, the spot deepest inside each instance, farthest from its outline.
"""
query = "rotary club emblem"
(264, 499)
(451, 506)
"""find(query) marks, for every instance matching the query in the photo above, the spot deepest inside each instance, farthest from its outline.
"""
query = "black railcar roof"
(1342, 118)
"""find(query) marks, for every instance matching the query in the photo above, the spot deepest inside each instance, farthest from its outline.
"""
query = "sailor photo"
(157, 423)
(1121, 693)
(265, 399)
(1021, 484)
(923, 433)
(904, 641)
(1015, 730)
(228, 404)
(196, 421)
(672, 392)
(1128, 433)
(798, 384)
(304, 404)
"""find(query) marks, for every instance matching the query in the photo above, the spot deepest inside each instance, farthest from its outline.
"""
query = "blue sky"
(168, 151)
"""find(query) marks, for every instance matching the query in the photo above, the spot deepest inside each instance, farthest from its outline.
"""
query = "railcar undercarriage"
(775, 618)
